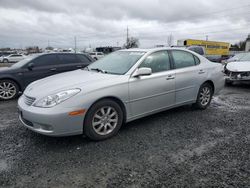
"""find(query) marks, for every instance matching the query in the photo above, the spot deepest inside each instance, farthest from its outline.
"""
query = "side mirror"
(30, 66)
(143, 71)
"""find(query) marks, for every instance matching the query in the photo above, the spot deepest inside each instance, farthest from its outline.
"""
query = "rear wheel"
(204, 96)
(5, 61)
(8, 89)
(103, 120)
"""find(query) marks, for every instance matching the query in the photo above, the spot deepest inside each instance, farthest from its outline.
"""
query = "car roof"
(152, 49)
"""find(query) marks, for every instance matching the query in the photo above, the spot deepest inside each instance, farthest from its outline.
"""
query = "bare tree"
(132, 43)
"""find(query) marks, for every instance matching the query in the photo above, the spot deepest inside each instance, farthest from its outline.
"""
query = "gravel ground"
(179, 148)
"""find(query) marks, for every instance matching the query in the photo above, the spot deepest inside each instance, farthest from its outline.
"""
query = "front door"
(156, 91)
(43, 66)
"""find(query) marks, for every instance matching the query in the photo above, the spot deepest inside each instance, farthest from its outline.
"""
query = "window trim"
(170, 61)
(174, 67)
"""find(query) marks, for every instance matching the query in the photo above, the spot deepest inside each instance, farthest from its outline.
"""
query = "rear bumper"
(50, 121)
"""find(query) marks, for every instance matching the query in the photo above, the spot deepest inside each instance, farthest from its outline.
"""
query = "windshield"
(246, 57)
(24, 61)
(116, 63)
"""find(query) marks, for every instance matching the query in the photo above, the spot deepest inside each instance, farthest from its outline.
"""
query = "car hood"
(85, 80)
(239, 66)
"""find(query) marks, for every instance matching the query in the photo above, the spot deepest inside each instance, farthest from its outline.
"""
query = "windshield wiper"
(85, 68)
(99, 70)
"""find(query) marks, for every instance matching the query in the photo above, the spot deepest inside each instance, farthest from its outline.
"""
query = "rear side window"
(183, 59)
(45, 60)
(197, 50)
(82, 58)
(67, 58)
(158, 62)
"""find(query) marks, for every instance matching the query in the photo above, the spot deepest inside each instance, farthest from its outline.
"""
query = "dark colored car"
(15, 79)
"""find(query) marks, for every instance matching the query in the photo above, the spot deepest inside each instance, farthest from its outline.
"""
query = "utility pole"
(75, 43)
(206, 37)
(127, 36)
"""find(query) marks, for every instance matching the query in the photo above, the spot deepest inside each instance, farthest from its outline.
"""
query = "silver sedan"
(119, 88)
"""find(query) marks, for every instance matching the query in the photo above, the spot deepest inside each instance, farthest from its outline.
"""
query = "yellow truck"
(212, 48)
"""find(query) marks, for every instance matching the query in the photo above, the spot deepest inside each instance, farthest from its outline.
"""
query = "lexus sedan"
(14, 79)
(121, 87)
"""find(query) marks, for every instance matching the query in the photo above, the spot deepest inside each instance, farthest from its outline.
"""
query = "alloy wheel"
(7, 90)
(205, 96)
(105, 120)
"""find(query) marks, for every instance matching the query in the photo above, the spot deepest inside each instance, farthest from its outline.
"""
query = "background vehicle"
(96, 55)
(212, 50)
(14, 79)
(239, 57)
(238, 69)
(121, 87)
(13, 58)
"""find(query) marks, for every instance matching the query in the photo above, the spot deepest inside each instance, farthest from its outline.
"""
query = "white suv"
(12, 58)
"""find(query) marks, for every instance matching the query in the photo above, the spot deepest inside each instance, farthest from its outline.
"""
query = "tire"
(97, 125)
(204, 96)
(5, 61)
(8, 89)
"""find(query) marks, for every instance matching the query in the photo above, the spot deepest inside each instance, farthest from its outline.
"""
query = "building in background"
(247, 48)
(33, 50)
(107, 49)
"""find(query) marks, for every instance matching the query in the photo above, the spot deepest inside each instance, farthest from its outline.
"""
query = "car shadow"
(239, 85)
(81, 140)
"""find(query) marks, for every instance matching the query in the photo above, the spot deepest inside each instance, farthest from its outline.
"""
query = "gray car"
(119, 88)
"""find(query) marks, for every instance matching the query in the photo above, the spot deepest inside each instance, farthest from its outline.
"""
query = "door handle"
(170, 77)
(79, 66)
(202, 72)
(53, 69)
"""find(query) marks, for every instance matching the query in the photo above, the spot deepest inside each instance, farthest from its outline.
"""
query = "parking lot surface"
(179, 147)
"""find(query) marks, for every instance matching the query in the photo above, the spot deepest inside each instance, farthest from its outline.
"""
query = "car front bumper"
(237, 76)
(54, 121)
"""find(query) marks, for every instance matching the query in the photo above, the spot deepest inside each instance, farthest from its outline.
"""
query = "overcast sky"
(104, 22)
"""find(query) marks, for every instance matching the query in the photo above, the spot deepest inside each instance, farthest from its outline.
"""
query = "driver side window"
(158, 62)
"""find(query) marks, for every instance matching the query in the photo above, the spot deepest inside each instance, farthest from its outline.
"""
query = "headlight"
(55, 99)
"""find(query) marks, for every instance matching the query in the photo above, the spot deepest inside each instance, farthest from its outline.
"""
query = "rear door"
(189, 75)
(42, 66)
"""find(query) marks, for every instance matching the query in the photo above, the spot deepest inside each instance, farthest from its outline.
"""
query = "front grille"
(29, 100)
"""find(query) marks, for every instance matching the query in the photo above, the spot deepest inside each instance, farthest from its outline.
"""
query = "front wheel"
(8, 89)
(204, 96)
(103, 120)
